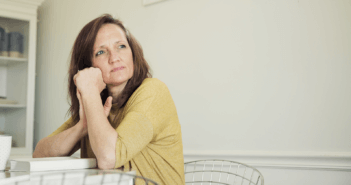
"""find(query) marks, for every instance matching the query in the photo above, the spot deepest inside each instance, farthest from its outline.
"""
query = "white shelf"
(7, 107)
(12, 106)
(4, 61)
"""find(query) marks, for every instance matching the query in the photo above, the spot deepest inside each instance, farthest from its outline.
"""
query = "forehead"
(110, 31)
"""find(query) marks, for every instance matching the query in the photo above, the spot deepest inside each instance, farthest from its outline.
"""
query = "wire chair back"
(224, 172)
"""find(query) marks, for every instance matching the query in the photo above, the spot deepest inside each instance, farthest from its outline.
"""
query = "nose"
(114, 57)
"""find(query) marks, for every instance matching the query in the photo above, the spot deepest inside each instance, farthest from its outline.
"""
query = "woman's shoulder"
(151, 89)
(152, 82)
(153, 85)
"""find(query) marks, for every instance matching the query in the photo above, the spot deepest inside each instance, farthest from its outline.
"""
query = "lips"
(117, 69)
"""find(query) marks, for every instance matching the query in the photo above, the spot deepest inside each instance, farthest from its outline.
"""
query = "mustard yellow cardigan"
(149, 135)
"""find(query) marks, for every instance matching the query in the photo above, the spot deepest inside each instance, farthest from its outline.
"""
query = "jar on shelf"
(15, 45)
(3, 42)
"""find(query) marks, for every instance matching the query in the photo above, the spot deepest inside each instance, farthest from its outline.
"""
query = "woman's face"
(113, 55)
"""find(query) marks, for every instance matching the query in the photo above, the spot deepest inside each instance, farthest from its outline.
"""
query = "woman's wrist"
(90, 93)
(81, 129)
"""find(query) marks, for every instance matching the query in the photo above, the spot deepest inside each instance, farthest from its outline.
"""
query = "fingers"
(108, 105)
(79, 98)
(75, 77)
(109, 99)
(89, 77)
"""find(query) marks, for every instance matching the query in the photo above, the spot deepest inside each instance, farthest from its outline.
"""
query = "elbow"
(35, 155)
(106, 162)
(37, 151)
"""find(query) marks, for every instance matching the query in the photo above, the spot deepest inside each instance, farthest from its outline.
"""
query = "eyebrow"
(103, 46)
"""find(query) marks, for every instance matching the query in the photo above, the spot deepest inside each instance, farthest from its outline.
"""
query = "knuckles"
(89, 73)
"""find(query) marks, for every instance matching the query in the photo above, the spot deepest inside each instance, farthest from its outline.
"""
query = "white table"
(68, 177)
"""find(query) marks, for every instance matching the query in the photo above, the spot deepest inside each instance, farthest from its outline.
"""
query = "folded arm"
(61, 144)
(102, 135)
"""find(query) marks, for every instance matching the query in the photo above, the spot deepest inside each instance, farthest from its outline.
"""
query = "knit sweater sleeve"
(142, 120)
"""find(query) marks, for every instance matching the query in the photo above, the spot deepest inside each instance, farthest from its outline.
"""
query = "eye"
(122, 46)
(99, 53)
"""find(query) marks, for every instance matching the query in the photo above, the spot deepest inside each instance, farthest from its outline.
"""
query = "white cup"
(5, 150)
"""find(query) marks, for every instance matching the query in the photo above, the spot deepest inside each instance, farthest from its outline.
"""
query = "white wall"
(262, 82)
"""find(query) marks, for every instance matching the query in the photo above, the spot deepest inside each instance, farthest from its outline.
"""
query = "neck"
(115, 91)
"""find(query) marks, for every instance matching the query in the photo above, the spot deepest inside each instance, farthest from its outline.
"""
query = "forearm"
(60, 144)
(102, 135)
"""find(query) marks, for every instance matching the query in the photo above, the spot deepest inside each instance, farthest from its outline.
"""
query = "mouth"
(117, 69)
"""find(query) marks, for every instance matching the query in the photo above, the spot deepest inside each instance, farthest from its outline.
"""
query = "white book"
(51, 163)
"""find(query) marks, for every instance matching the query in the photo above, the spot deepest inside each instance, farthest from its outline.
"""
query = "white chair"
(221, 172)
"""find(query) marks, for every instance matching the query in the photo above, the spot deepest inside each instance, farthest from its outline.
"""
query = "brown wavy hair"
(82, 54)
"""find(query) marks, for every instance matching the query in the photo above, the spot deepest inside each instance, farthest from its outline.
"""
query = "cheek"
(105, 74)
(104, 71)
(93, 62)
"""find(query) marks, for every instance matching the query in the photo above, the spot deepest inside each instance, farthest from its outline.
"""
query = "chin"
(117, 83)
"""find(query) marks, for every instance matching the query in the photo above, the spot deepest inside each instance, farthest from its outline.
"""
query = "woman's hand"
(89, 80)
(108, 105)
(82, 117)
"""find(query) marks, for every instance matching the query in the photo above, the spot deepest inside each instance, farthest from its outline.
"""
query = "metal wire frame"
(100, 177)
(215, 171)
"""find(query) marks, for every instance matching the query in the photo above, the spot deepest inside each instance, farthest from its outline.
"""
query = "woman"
(120, 115)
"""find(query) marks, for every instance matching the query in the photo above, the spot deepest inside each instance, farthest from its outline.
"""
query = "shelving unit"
(17, 75)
